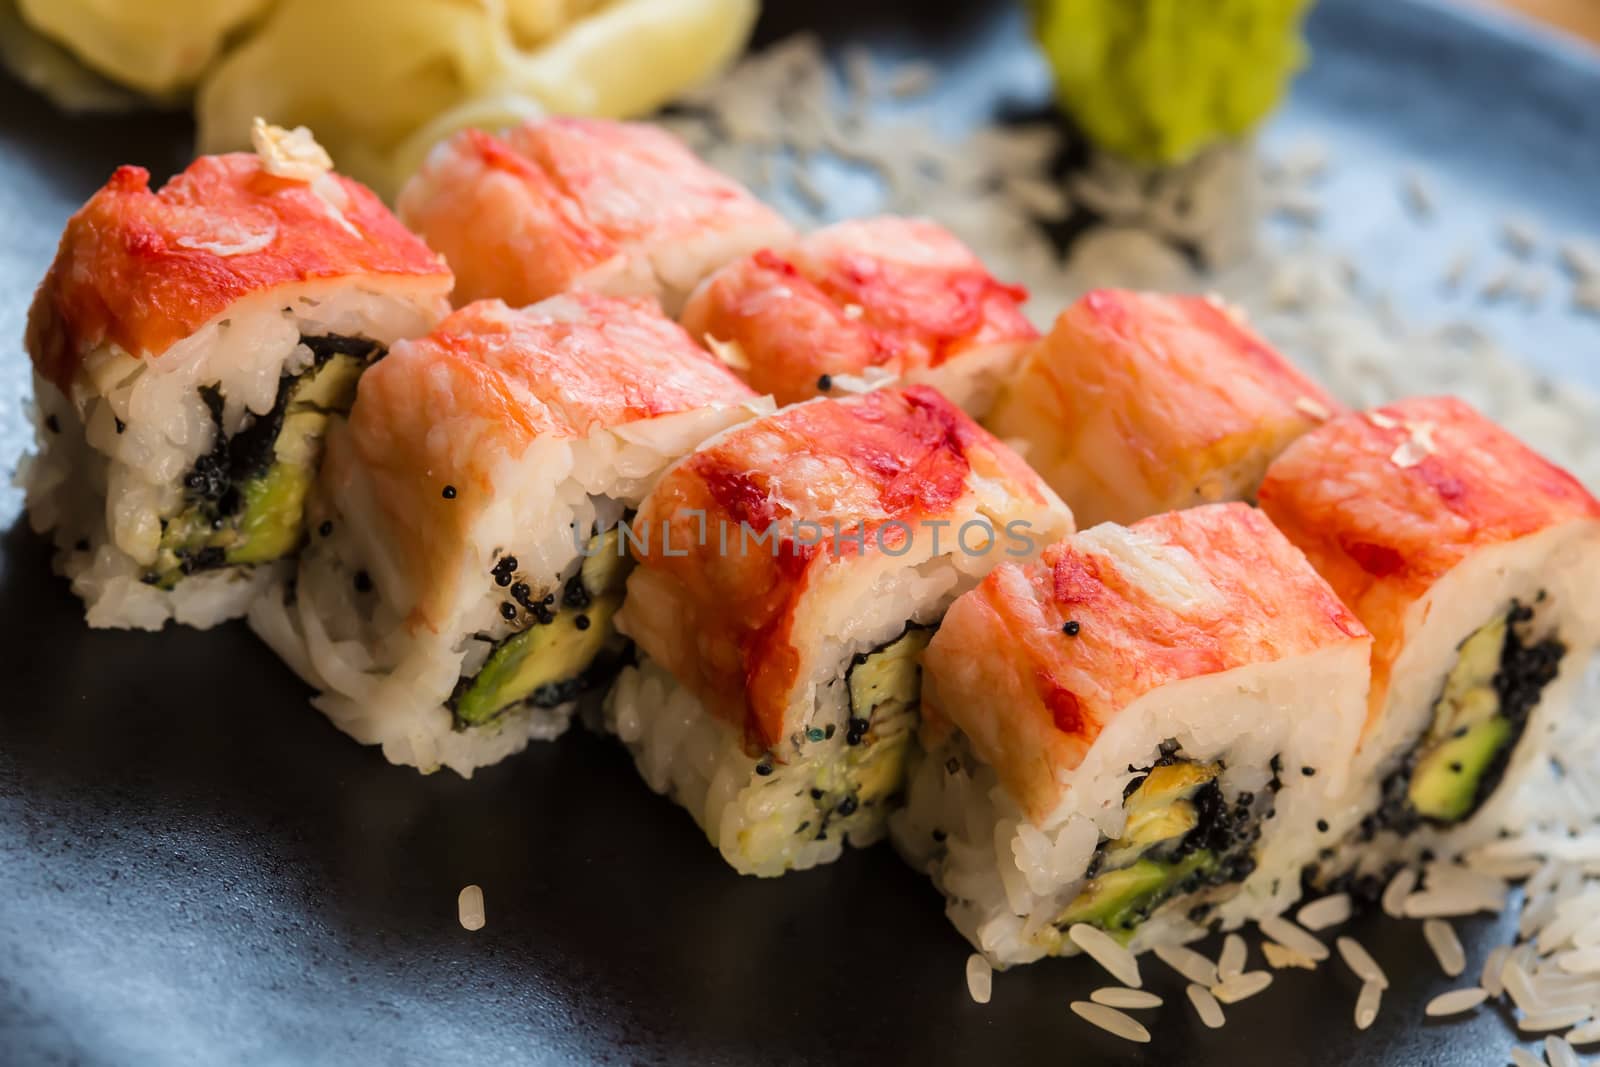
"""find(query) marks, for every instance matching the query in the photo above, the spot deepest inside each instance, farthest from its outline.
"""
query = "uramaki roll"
(1139, 732)
(1476, 565)
(860, 303)
(459, 590)
(189, 348)
(790, 573)
(1139, 403)
(619, 208)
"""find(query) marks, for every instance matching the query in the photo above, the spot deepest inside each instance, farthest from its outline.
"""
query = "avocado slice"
(1444, 783)
(1119, 900)
(545, 664)
(887, 682)
(246, 501)
(1160, 809)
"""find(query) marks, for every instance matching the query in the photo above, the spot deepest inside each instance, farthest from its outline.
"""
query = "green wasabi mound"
(1158, 80)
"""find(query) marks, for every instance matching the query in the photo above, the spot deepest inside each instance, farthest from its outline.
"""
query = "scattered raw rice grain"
(1582, 260)
(1492, 967)
(1498, 286)
(1396, 892)
(1329, 911)
(1586, 297)
(1418, 195)
(1111, 1021)
(1367, 1004)
(1456, 1001)
(1241, 987)
(1113, 996)
(1280, 957)
(1230, 964)
(1360, 961)
(980, 978)
(1289, 935)
(1559, 1053)
(1104, 950)
(469, 907)
(1554, 1019)
(1299, 207)
(1519, 236)
(1580, 961)
(1206, 1006)
(1445, 903)
(1521, 1057)
(1441, 937)
(1189, 963)
(1456, 274)
(1586, 1033)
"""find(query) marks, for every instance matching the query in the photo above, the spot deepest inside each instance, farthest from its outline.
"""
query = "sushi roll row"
(1129, 625)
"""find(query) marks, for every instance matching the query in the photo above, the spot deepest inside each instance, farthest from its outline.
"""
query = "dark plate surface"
(196, 868)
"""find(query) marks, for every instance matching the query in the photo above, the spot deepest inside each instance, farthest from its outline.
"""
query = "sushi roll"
(1137, 732)
(467, 560)
(189, 348)
(1475, 564)
(1139, 403)
(564, 203)
(864, 303)
(789, 575)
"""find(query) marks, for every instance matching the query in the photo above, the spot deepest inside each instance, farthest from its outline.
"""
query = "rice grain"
(1396, 892)
(1554, 1019)
(1104, 950)
(1559, 1053)
(1111, 1021)
(1441, 937)
(1279, 957)
(1231, 963)
(1189, 963)
(1521, 1057)
(1206, 1006)
(1360, 961)
(1241, 987)
(469, 907)
(1585, 1033)
(1367, 1004)
(980, 978)
(1122, 997)
(1456, 1001)
(1289, 935)
(1326, 912)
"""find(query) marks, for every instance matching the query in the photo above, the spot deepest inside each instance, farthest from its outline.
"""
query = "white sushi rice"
(1206, 1006)
(91, 484)
(1446, 946)
(1455, 1002)
(1111, 1021)
(469, 907)
(1120, 997)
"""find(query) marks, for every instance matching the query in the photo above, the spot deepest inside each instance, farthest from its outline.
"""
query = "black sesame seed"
(82, 545)
(508, 611)
(581, 622)
(763, 769)
(1322, 826)
(1455, 766)
(449, 492)
(1071, 628)
(52, 424)
(1308, 771)
(120, 424)
(363, 582)
(816, 794)
(847, 806)
(859, 658)
(939, 835)
(827, 731)
(824, 383)
(326, 528)
(952, 765)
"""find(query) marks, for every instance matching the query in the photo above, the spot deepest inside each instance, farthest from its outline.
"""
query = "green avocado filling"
(885, 688)
(1179, 836)
(1496, 682)
(244, 501)
(561, 653)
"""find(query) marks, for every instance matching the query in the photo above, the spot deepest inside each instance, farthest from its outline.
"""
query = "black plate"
(196, 867)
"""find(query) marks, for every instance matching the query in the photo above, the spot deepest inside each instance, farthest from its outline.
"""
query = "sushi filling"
(569, 643)
(885, 689)
(244, 501)
(1498, 678)
(1180, 836)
